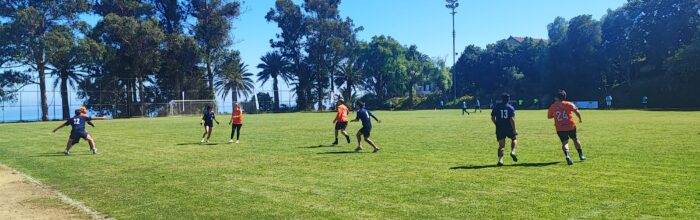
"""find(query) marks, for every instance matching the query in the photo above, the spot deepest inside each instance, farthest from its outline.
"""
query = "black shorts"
(341, 125)
(366, 131)
(565, 135)
(209, 124)
(502, 134)
(77, 135)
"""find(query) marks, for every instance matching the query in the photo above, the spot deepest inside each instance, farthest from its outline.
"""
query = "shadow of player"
(342, 152)
(319, 146)
(469, 167)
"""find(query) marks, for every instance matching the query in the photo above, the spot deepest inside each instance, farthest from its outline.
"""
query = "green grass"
(641, 164)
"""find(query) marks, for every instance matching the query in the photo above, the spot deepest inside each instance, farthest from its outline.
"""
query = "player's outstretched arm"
(217, 121)
(578, 114)
(375, 117)
(98, 118)
(59, 127)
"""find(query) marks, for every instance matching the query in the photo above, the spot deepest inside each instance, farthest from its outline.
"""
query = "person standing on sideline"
(645, 101)
(237, 122)
(442, 105)
(464, 108)
(503, 116)
(561, 111)
(608, 102)
(341, 121)
(477, 105)
(364, 114)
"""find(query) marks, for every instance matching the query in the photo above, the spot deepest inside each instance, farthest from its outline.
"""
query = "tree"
(233, 76)
(382, 67)
(212, 29)
(349, 72)
(133, 51)
(291, 21)
(273, 66)
(29, 22)
(62, 54)
(416, 65)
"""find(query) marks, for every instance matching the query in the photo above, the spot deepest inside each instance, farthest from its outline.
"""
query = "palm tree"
(233, 76)
(62, 54)
(274, 65)
(348, 74)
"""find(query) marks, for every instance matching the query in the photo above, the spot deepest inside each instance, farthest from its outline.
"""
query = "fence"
(27, 105)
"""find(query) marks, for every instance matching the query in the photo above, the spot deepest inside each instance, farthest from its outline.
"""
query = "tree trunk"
(348, 91)
(410, 95)
(64, 95)
(234, 96)
(210, 74)
(142, 96)
(41, 66)
(276, 93)
(320, 97)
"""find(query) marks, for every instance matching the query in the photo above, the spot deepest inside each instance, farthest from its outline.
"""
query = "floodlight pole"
(453, 4)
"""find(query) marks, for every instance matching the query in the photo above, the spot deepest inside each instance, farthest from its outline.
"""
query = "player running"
(208, 120)
(77, 132)
(364, 114)
(341, 121)
(464, 108)
(561, 111)
(237, 122)
(503, 116)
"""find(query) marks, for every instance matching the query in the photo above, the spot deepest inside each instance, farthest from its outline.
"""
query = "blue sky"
(426, 23)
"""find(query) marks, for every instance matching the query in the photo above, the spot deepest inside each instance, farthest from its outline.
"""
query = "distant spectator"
(608, 101)
(477, 105)
(645, 101)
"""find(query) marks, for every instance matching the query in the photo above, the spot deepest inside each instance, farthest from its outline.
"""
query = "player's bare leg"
(209, 133)
(513, 145)
(345, 133)
(359, 142)
(565, 148)
(336, 137)
(374, 146)
(501, 148)
(577, 144)
(206, 130)
(68, 146)
(91, 142)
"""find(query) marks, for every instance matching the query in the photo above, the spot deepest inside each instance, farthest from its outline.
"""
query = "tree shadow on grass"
(341, 152)
(468, 167)
(319, 146)
(59, 154)
(197, 143)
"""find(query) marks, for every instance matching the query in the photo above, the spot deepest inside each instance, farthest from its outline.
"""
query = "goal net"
(189, 107)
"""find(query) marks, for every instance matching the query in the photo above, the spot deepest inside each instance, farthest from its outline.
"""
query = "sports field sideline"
(433, 164)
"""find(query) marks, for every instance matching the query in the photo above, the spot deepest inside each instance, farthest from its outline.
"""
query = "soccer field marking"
(64, 198)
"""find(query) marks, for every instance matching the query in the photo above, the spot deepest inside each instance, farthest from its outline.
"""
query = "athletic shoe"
(499, 164)
(202, 141)
(335, 142)
(236, 141)
(358, 149)
(230, 141)
(569, 161)
(65, 152)
(94, 150)
(581, 157)
(347, 138)
(376, 150)
(514, 157)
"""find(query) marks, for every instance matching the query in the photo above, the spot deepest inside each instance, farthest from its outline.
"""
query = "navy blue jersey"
(208, 117)
(503, 113)
(363, 114)
(78, 123)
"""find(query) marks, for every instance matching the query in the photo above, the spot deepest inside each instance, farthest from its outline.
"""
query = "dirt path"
(21, 199)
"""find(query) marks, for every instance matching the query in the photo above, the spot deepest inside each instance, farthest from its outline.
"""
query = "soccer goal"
(189, 107)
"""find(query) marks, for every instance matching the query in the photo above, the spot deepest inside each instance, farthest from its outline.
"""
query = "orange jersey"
(237, 116)
(342, 115)
(561, 112)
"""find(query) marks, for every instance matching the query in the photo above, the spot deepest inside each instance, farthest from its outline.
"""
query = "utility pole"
(453, 4)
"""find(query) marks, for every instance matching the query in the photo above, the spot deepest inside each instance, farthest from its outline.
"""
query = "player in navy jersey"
(208, 120)
(363, 115)
(77, 132)
(503, 116)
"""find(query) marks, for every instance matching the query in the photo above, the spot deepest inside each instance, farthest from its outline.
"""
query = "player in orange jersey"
(341, 121)
(237, 122)
(561, 111)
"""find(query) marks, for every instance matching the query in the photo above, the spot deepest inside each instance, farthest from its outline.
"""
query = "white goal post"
(189, 107)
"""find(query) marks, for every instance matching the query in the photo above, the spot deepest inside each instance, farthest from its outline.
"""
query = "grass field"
(434, 164)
